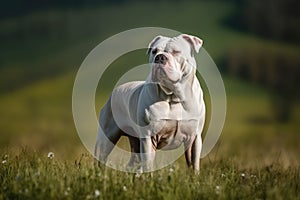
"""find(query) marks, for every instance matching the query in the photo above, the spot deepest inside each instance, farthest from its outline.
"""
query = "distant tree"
(20, 7)
(277, 70)
(274, 19)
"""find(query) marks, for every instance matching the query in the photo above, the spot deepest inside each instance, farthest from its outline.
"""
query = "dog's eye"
(174, 52)
(154, 51)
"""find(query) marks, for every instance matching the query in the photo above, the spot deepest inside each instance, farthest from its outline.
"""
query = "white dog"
(163, 112)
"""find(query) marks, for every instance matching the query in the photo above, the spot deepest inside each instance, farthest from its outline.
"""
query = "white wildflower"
(222, 175)
(97, 193)
(218, 189)
(50, 155)
(252, 176)
(124, 188)
(67, 191)
(4, 161)
(171, 170)
(243, 174)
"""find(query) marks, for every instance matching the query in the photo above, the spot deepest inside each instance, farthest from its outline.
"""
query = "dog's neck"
(167, 95)
(181, 93)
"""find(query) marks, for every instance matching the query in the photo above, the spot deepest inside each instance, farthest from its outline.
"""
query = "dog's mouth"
(165, 74)
(166, 83)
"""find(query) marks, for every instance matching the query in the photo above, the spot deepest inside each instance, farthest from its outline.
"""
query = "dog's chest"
(167, 111)
(170, 134)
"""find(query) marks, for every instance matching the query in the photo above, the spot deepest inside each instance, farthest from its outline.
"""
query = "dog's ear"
(150, 46)
(195, 42)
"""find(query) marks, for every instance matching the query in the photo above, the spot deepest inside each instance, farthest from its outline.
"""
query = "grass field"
(255, 158)
(31, 175)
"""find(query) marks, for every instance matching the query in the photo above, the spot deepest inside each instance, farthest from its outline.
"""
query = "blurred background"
(254, 43)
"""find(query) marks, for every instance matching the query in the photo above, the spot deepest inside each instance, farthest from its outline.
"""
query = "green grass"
(28, 175)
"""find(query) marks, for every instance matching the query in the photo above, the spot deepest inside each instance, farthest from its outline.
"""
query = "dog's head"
(172, 59)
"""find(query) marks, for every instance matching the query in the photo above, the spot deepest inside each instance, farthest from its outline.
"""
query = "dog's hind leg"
(135, 151)
(188, 155)
(108, 133)
(106, 140)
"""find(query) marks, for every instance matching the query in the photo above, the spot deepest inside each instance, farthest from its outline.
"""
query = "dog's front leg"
(196, 153)
(147, 154)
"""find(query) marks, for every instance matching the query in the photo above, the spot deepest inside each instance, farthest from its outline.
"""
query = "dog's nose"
(161, 59)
